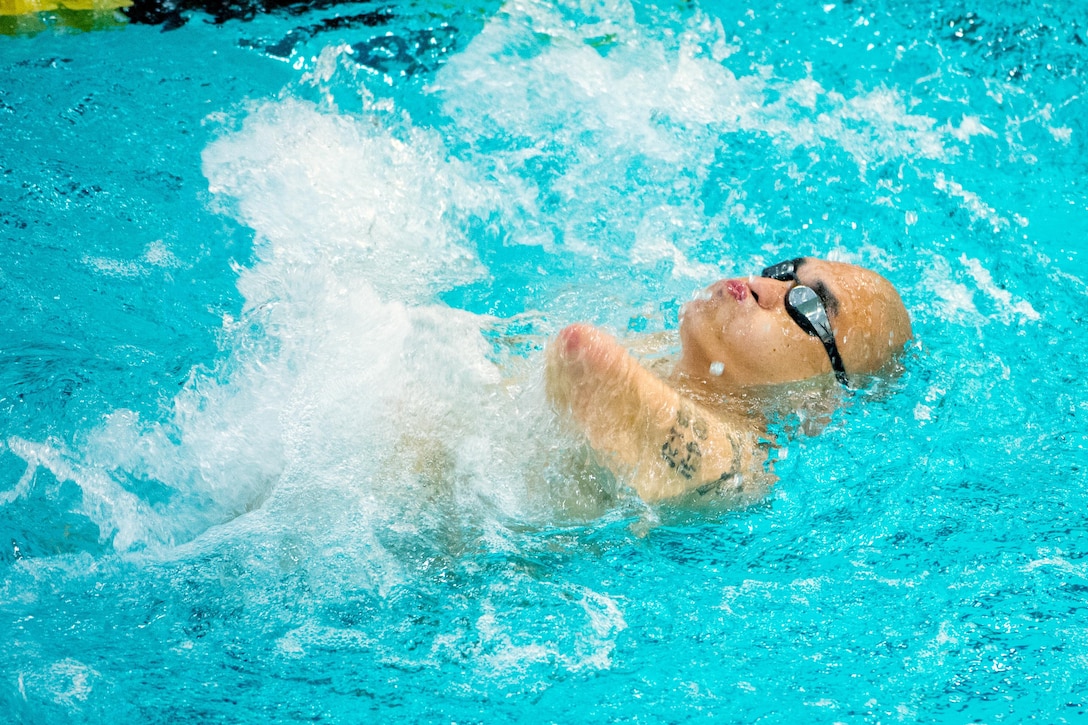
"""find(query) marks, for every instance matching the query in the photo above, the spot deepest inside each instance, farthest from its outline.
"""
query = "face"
(739, 332)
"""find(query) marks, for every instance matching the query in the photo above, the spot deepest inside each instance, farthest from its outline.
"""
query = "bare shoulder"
(664, 444)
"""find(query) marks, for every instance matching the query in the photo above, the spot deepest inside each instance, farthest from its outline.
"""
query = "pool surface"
(274, 285)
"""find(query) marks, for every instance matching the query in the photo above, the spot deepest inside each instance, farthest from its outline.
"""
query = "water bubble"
(717, 368)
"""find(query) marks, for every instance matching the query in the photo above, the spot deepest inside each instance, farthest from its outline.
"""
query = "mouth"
(736, 288)
(709, 297)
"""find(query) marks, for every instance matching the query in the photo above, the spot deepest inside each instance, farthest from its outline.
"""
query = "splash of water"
(347, 392)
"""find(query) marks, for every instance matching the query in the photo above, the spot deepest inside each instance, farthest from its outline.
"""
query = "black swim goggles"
(808, 311)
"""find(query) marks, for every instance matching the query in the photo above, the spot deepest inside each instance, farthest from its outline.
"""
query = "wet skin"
(742, 324)
(662, 436)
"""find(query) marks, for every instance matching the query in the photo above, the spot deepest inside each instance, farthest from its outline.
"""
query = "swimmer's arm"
(643, 429)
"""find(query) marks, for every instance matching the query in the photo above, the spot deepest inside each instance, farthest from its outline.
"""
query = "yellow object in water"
(25, 7)
(30, 17)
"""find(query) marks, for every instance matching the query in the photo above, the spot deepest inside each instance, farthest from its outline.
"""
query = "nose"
(768, 293)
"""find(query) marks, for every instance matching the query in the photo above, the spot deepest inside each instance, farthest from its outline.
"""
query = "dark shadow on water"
(175, 13)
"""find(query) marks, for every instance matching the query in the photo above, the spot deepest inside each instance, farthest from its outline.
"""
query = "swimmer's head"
(752, 331)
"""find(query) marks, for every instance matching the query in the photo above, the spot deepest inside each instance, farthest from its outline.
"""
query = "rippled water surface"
(275, 282)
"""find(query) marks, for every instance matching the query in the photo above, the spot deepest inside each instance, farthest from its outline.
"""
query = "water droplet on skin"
(717, 368)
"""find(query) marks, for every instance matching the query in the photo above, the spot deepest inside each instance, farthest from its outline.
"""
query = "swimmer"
(690, 435)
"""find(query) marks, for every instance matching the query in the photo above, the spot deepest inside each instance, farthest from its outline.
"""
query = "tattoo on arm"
(728, 482)
(681, 449)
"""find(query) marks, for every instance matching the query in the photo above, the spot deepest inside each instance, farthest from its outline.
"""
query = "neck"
(739, 404)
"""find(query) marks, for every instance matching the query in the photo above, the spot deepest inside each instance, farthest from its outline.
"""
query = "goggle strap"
(836, 362)
(826, 338)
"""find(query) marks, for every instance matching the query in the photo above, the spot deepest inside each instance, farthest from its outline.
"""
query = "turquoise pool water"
(273, 444)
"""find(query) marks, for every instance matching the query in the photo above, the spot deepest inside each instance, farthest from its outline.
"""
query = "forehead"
(839, 278)
(847, 286)
(867, 304)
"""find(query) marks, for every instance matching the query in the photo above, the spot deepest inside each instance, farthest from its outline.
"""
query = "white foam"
(972, 126)
(1009, 306)
(576, 641)
(156, 254)
(1063, 134)
(657, 104)
(329, 366)
(952, 300)
(66, 682)
(369, 202)
(22, 486)
(972, 202)
(956, 295)
(118, 513)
